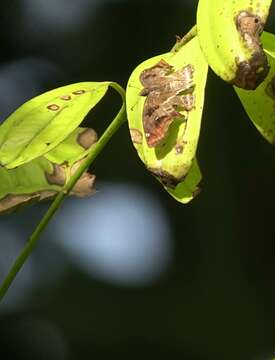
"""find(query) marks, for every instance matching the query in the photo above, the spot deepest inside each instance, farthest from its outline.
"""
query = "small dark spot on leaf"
(53, 107)
(85, 185)
(65, 163)
(65, 97)
(179, 149)
(79, 92)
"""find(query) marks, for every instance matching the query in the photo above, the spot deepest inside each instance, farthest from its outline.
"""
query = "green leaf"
(260, 103)
(175, 156)
(228, 32)
(42, 123)
(268, 41)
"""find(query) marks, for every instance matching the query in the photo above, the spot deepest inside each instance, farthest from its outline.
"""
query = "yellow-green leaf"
(171, 160)
(42, 123)
(260, 104)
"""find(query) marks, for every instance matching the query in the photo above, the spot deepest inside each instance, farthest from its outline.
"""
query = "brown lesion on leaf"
(11, 202)
(53, 107)
(250, 73)
(136, 136)
(83, 188)
(65, 97)
(57, 177)
(79, 92)
(87, 138)
(180, 147)
(85, 185)
(165, 177)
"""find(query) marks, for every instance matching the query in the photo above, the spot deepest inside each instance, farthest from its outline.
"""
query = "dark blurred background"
(130, 273)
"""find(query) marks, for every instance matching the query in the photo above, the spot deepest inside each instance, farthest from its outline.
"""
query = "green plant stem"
(185, 39)
(95, 150)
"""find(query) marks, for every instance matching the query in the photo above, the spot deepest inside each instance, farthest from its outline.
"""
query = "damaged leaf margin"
(45, 176)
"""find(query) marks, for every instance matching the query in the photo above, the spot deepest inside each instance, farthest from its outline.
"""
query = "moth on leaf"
(168, 93)
(164, 99)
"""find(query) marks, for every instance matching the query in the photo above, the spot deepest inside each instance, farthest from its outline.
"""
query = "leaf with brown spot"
(39, 180)
(229, 34)
(44, 177)
(42, 123)
(164, 97)
(260, 103)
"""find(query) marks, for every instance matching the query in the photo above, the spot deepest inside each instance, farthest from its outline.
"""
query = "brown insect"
(167, 92)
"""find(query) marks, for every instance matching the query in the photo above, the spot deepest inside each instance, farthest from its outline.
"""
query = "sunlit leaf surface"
(46, 120)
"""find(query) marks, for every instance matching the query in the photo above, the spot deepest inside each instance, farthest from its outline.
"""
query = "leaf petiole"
(185, 39)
